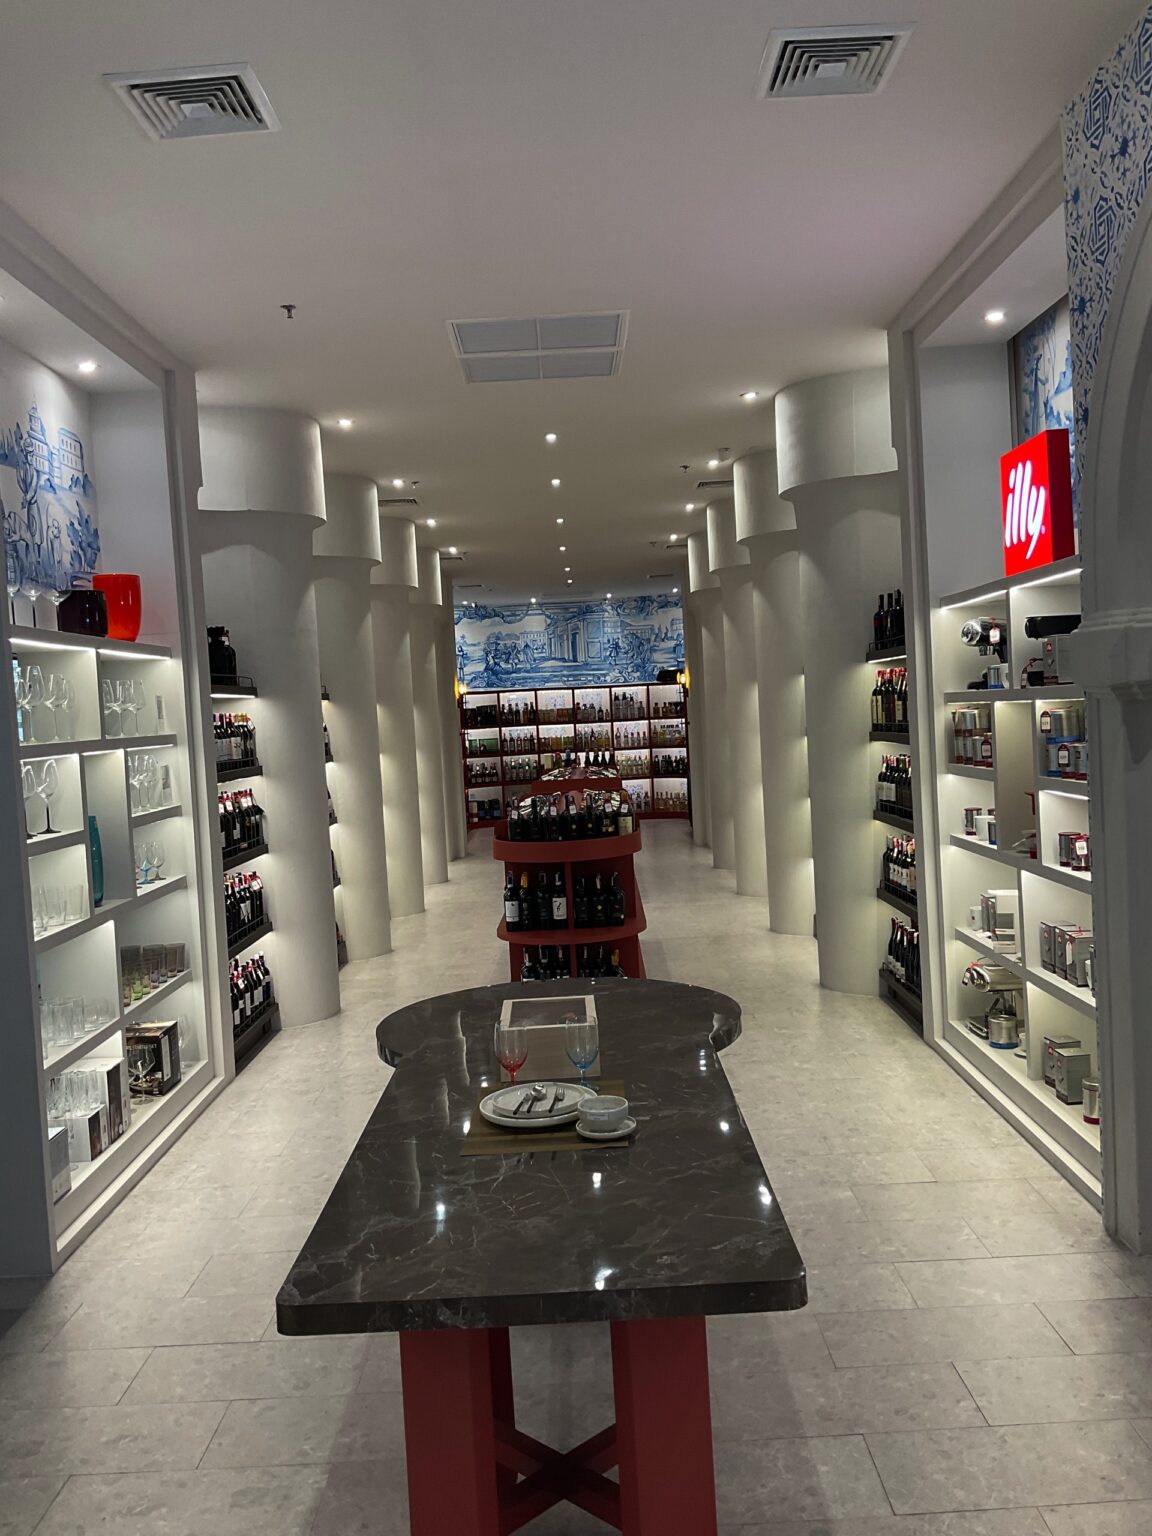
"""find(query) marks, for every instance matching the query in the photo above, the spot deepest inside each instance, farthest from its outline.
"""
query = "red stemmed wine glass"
(511, 1044)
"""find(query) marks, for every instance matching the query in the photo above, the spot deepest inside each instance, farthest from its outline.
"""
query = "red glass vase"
(122, 593)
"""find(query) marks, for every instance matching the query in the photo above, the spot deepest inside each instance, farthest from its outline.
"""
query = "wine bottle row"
(898, 868)
(565, 818)
(484, 773)
(244, 907)
(235, 738)
(251, 990)
(888, 621)
(551, 963)
(510, 741)
(241, 820)
(903, 954)
(598, 901)
(890, 700)
(894, 786)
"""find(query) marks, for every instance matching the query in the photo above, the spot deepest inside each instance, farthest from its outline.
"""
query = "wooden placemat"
(483, 1138)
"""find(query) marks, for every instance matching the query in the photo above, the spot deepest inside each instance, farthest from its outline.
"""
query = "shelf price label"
(1036, 503)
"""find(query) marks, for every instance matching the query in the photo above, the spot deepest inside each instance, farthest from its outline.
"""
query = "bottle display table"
(577, 862)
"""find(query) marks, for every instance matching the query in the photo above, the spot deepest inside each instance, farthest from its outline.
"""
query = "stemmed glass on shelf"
(110, 701)
(28, 789)
(12, 578)
(32, 585)
(511, 1045)
(47, 785)
(158, 856)
(60, 700)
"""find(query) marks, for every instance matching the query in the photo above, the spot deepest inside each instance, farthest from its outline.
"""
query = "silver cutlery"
(557, 1098)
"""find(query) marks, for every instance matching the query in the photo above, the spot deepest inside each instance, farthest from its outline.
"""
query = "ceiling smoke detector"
(829, 61)
(193, 103)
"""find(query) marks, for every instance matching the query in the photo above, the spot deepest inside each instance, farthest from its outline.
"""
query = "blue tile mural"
(568, 645)
(1107, 169)
(47, 502)
(1042, 355)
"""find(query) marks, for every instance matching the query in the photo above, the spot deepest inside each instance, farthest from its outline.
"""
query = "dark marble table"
(450, 1251)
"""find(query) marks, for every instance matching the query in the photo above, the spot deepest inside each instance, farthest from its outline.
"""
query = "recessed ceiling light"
(995, 317)
(567, 568)
(673, 537)
(555, 485)
(607, 595)
(430, 522)
(675, 590)
(87, 366)
(531, 599)
(690, 507)
(559, 519)
(569, 583)
(549, 437)
(750, 394)
(713, 463)
(398, 485)
(563, 549)
(452, 550)
(345, 422)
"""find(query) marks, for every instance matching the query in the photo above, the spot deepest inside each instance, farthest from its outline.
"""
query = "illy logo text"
(1024, 509)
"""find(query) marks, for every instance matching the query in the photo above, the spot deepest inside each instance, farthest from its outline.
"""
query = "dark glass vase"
(221, 656)
(83, 612)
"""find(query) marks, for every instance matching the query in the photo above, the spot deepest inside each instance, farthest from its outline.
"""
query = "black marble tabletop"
(681, 1222)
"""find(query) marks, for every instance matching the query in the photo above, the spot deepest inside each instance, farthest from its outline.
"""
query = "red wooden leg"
(450, 1398)
(664, 1427)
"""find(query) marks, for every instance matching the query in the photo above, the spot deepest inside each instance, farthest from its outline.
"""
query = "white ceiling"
(460, 159)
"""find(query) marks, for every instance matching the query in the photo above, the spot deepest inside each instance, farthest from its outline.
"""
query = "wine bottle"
(524, 899)
(511, 904)
(616, 901)
(599, 903)
(559, 901)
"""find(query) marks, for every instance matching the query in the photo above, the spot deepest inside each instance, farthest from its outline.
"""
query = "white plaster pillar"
(704, 587)
(729, 561)
(836, 465)
(426, 603)
(697, 733)
(392, 580)
(455, 816)
(262, 498)
(345, 549)
(766, 525)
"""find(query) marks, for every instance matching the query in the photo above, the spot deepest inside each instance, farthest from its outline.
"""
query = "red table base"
(471, 1472)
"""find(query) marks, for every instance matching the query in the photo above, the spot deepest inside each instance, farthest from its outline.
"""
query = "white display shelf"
(984, 946)
(971, 770)
(94, 744)
(1058, 571)
(90, 1180)
(161, 813)
(131, 1015)
(25, 638)
(1074, 879)
(1049, 691)
(112, 907)
(1064, 1123)
(998, 855)
(1076, 788)
(48, 843)
(1076, 997)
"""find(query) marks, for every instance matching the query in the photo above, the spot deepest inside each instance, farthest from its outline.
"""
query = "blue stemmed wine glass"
(582, 1043)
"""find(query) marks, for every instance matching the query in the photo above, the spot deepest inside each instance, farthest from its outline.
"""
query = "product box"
(58, 1161)
(999, 911)
(87, 1135)
(1052, 1044)
(1078, 952)
(1070, 1068)
(153, 1057)
(1048, 942)
(113, 1089)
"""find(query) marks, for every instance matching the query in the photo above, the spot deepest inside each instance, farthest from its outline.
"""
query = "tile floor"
(974, 1360)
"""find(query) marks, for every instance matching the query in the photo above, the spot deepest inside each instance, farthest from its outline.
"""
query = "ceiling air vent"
(397, 501)
(193, 103)
(714, 485)
(545, 347)
(829, 61)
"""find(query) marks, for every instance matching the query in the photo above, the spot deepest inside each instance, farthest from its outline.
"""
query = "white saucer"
(625, 1128)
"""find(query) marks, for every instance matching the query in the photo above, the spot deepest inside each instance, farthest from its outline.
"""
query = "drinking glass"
(32, 585)
(28, 789)
(75, 899)
(582, 1043)
(57, 590)
(143, 864)
(135, 776)
(127, 706)
(53, 906)
(34, 700)
(112, 709)
(63, 702)
(150, 784)
(511, 1045)
(47, 785)
(158, 857)
(39, 911)
(139, 700)
(12, 579)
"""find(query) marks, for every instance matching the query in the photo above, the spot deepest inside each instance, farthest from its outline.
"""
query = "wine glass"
(143, 863)
(158, 855)
(48, 785)
(149, 788)
(57, 590)
(54, 699)
(511, 1044)
(65, 701)
(110, 700)
(12, 578)
(139, 700)
(582, 1044)
(32, 585)
(127, 706)
(34, 699)
(28, 788)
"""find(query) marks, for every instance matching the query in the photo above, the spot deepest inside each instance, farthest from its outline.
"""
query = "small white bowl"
(606, 1112)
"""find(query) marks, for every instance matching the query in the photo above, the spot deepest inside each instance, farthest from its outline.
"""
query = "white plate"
(625, 1128)
(497, 1107)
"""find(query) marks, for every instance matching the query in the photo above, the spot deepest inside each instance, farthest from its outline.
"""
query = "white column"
(767, 526)
(836, 466)
(392, 580)
(705, 596)
(346, 548)
(262, 497)
(729, 561)
(697, 734)
(426, 602)
(455, 817)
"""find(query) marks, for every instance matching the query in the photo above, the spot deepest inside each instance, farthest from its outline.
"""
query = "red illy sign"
(1036, 500)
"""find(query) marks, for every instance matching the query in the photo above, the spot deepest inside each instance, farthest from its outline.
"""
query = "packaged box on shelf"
(87, 1135)
(1048, 932)
(999, 916)
(112, 1072)
(1052, 1044)
(1079, 953)
(59, 1162)
(1070, 1069)
(154, 1057)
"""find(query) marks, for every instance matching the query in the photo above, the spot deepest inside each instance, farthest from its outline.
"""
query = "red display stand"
(604, 855)
(505, 755)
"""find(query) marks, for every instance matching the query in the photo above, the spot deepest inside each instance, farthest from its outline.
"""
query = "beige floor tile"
(992, 1522)
(116, 1324)
(885, 1242)
(260, 1501)
(122, 1438)
(1006, 1234)
(857, 1288)
(295, 1431)
(957, 1469)
(240, 1273)
(1099, 1519)
(79, 1378)
(998, 1282)
(960, 1198)
(223, 1372)
(780, 1341)
(362, 1498)
(830, 1478)
(1069, 1390)
(23, 1501)
(1103, 1327)
(941, 1333)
